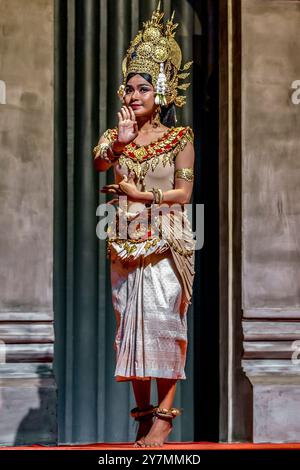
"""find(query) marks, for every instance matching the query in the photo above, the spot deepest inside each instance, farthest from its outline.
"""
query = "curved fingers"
(132, 115)
(123, 113)
(127, 112)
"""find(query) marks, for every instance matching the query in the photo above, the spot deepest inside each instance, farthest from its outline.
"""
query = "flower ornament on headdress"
(154, 51)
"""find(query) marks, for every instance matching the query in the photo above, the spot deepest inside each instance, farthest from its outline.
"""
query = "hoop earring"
(156, 120)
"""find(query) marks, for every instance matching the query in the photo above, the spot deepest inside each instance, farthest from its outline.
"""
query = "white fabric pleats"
(151, 331)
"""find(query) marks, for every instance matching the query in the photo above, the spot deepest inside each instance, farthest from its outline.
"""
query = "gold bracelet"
(101, 151)
(161, 195)
(154, 195)
(157, 195)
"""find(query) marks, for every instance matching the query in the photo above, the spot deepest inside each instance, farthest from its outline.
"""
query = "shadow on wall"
(28, 405)
(40, 423)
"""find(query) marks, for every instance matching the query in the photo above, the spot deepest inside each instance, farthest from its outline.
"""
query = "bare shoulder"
(186, 155)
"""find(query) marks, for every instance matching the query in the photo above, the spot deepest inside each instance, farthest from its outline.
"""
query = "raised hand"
(127, 126)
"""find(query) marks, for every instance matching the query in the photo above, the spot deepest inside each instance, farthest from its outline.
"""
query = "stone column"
(270, 215)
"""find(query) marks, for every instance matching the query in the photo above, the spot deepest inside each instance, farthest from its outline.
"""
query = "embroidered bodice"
(153, 164)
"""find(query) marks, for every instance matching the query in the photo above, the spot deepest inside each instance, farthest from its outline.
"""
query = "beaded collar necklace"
(163, 145)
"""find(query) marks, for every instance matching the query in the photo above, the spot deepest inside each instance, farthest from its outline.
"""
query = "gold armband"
(185, 174)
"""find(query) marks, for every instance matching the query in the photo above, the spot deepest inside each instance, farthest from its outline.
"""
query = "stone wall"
(270, 215)
(27, 387)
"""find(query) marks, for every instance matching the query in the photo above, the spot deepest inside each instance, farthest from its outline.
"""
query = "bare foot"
(158, 433)
(144, 428)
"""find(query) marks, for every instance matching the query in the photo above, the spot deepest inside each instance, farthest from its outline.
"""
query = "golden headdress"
(155, 51)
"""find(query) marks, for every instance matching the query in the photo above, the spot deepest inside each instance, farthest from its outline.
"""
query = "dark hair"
(168, 113)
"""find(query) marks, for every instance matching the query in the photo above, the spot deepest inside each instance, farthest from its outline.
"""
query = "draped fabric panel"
(91, 39)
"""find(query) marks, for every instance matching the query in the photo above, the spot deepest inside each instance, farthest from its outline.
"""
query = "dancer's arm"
(182, 192)
(103, 165)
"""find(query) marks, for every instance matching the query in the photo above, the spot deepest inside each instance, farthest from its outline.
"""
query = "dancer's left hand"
(126, 187)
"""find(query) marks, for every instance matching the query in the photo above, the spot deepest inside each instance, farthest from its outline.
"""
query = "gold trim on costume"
(140, 159)
(111, 134)
(101, 150)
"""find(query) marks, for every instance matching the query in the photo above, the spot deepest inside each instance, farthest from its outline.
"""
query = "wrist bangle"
(161, 195)
(157, 195)
(101, 151)
(114, 152)
(153, 192)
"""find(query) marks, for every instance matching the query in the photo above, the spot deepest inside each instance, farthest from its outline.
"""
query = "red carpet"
(168, 446)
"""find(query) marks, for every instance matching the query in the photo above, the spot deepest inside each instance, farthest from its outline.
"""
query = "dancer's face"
(139, 95)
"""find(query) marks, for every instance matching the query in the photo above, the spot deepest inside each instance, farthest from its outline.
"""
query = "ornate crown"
(155, 51)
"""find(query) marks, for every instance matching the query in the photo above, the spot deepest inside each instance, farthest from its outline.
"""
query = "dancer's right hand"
(127, 126)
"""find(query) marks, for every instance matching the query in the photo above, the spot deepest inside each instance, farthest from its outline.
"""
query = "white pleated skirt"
(151, 321)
